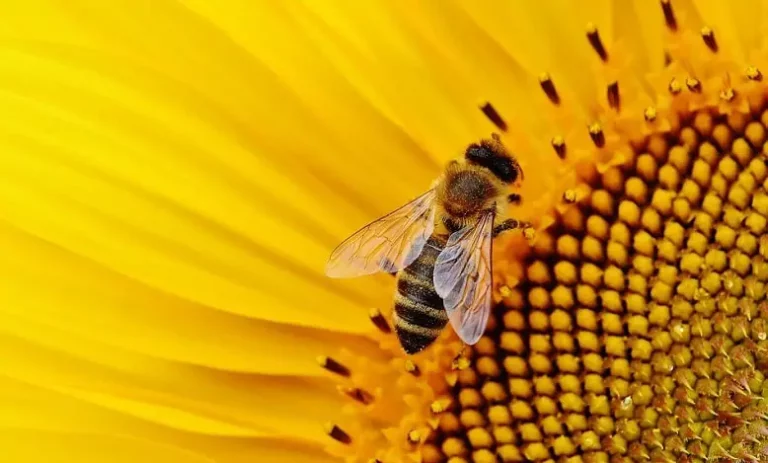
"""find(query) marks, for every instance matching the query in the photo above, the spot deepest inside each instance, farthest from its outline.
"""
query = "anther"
(558, 143)
(337, 433)
(440, 405)
(669, 15)
(529, 233)
(378, 319)
(414, 437)
(460, 363)
(357, 394)
(637, 450)
(412, 368)
(613, 96)
(709, 38)
(514, 198)
(594, 39)
(494, 116)
(596, 134)
(650, 114)
(754, 74)
(333, 366)
(728, 94)
(569, 196)
(693, 84)
(549, 88)
(675, 87)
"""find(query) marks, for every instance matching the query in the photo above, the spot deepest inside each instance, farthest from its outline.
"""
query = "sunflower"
(175, 174)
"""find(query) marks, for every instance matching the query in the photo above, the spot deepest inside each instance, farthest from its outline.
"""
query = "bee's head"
(492, 155)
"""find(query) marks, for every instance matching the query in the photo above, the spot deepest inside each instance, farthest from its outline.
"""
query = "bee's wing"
(388, 244)
(463, 278)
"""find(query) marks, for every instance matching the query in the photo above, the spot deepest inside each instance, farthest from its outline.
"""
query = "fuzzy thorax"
(467, 191)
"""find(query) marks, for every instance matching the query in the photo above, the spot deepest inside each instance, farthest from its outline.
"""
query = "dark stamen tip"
(514, 198)
(357, 394)
(412, 368)
(728, 94)
(693, 84)
(594, 39)
(709, 38)
(669, 15)
(675, 87)
(614, 100)
(337, 433)
(569, 196)
(460, 363)
(333, 366)
(754, 74)
(414, 437)
(558, 143)
(667, 58)
(379, 321)
(650, 114)
(549, 88)
(494, 116)
(597, 135)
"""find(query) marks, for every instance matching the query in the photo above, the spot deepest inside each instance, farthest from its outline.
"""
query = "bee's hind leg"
(509, 224)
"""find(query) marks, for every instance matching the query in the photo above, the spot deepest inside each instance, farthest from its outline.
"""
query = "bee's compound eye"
(475, 153)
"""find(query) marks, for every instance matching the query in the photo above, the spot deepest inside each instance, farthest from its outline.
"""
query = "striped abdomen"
(419, 316)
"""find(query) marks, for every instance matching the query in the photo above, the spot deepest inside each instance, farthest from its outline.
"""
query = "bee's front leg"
(509, 224)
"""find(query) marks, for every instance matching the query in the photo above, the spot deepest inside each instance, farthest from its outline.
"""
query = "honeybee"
(439, 245)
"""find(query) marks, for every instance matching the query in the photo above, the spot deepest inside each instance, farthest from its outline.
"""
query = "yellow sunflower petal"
(50, 416)
(37, 446)
(176, 174)
(427, 106)
(189, 398)
(90, 302)
(178, 239)
(194, 126)
(43, 446)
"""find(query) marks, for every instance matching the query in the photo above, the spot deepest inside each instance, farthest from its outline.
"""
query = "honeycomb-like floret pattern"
(639, 331)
